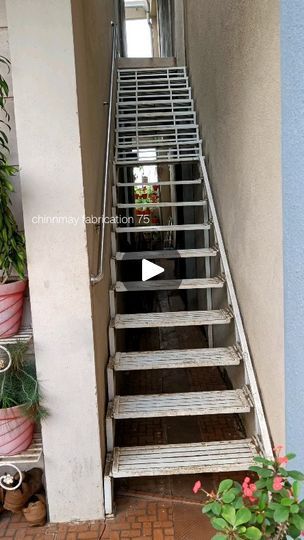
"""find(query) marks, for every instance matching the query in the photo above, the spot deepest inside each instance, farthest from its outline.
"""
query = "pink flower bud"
(197, 486)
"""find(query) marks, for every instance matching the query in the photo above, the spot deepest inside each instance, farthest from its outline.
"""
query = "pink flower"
(197, 486)
(278, 483)
(249, 489)
(277, 449)
(282, 460)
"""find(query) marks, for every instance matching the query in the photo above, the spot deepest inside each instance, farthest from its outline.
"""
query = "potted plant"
(269, 507)
(20, 402)
(12, 242)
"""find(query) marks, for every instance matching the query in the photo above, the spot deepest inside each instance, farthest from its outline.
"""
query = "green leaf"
(281, 514)
(296, 487)
(242, 516)
(297, 521)
(263, 501)
(228, 497)
(296, 475)
(228, 514)
(260, 519)
(260, 484)
(286, 502)
(253, 533)
(219, 537)
(216, 508)
(293, 532)
(294, 508)
(238, 503)
(290, 456)
(264, 461)
(225, 485)
(219, 524)
(207, 508)
(263, 473)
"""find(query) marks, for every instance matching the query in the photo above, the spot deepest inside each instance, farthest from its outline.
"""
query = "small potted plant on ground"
(269, 507)
(20, 406)
(12, 242)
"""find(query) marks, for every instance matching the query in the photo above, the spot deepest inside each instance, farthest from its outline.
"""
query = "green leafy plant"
(19, 385)
(267, 508)
(12, 241)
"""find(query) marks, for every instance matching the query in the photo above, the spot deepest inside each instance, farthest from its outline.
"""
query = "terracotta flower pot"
(11, 307)
(16, 431)
(35, 511)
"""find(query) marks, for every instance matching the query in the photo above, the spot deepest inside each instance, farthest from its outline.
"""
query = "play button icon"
(149, 270)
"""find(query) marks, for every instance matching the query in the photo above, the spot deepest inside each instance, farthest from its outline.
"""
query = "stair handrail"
(260, 415)
(96, 278)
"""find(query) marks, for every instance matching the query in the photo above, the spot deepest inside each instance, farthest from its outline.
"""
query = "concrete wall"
(52, 178)
(233, 52)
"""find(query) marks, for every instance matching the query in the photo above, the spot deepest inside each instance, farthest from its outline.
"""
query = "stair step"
(133, 85)
(161, 184)
(169, 204)
(174, 359)
(155, 128)
(169, 284)
(193, 458)
(130, 146)
(151, 114)
(167, 71)
(136, 102)
(173, 156)
(174, 318)
(166, 254)
(179, 404)
(163, 228)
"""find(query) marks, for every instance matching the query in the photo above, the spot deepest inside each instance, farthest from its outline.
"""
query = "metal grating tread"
(169, 204)
(169, 284)
(155, 138)
(31, 455)
(164, 228)
(24, 335)
(174, 359)
(166, 254)
(160, 184)
(179, 404)
(174, 318)
(191, 458)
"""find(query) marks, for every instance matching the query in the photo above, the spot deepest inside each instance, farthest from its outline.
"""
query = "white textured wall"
(233, 51)
(42, 49)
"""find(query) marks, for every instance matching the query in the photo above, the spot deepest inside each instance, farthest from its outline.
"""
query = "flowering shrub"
(265, 508)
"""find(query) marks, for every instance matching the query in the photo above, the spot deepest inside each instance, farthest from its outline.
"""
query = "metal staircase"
(156, 124)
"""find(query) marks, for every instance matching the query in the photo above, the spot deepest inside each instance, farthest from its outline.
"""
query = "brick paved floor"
(136, 518)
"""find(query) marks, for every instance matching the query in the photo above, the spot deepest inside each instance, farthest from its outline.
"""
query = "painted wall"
(93, 41)
(233, 52)
(52, 179)
(292, 47)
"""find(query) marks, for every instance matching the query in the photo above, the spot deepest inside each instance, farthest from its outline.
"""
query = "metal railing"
(96, 278)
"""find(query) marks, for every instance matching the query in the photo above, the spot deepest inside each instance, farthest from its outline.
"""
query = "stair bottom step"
(191, 458)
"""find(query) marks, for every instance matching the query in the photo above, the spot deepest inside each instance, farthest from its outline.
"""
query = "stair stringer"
(262, 431)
